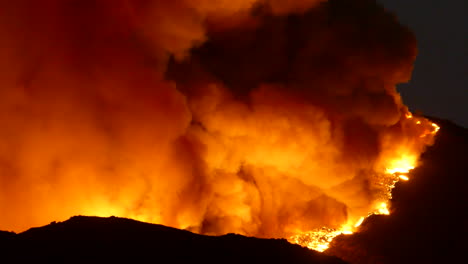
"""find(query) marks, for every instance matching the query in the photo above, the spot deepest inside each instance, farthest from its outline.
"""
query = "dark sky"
(439, 86)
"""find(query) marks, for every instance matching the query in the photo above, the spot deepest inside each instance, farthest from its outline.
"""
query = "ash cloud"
(255, 117)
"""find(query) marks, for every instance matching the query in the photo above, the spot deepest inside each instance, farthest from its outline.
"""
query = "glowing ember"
(436, 128)
(359, 222)
(382, 209)
(403, 177)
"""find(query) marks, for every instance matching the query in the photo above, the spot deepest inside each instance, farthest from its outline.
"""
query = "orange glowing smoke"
(255, 117)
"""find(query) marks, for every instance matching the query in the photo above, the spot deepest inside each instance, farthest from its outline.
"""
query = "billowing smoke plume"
(265, 118)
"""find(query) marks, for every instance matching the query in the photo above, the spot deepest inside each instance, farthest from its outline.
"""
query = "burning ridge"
(262, 118)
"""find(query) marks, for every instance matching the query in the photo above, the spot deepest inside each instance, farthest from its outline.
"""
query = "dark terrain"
(428, 224)
(94, 239)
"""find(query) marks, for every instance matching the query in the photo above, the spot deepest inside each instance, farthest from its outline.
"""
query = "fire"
(397, 169)
(230, 117)
(359, 222)
(382, 209)
(404, 177)
(319, 239)
(436, 128)
(403, 165)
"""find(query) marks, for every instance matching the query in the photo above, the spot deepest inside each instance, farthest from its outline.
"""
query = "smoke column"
(264, 118)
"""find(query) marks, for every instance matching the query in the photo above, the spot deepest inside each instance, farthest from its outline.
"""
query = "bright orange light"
(402, 165)
(318, 239)
(403, 177)
(436, 128)
(382, 209)
(359, 222)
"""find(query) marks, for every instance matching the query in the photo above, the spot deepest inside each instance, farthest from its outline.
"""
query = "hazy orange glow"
(226, 117)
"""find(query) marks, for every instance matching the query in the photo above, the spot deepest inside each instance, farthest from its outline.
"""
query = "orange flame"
(404, 177)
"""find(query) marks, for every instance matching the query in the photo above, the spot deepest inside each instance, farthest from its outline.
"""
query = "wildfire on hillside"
(397, 169)
(265, 118)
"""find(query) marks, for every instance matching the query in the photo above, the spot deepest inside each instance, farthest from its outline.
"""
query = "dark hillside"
(94, 239)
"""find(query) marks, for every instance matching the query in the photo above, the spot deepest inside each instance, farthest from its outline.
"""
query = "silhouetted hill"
(94, 239)
(428, 223)
(6, 235)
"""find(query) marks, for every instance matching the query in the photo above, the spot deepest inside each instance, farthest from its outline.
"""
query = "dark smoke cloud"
(264, 118)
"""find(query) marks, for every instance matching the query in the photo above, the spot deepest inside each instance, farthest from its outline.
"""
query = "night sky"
(439, 86)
